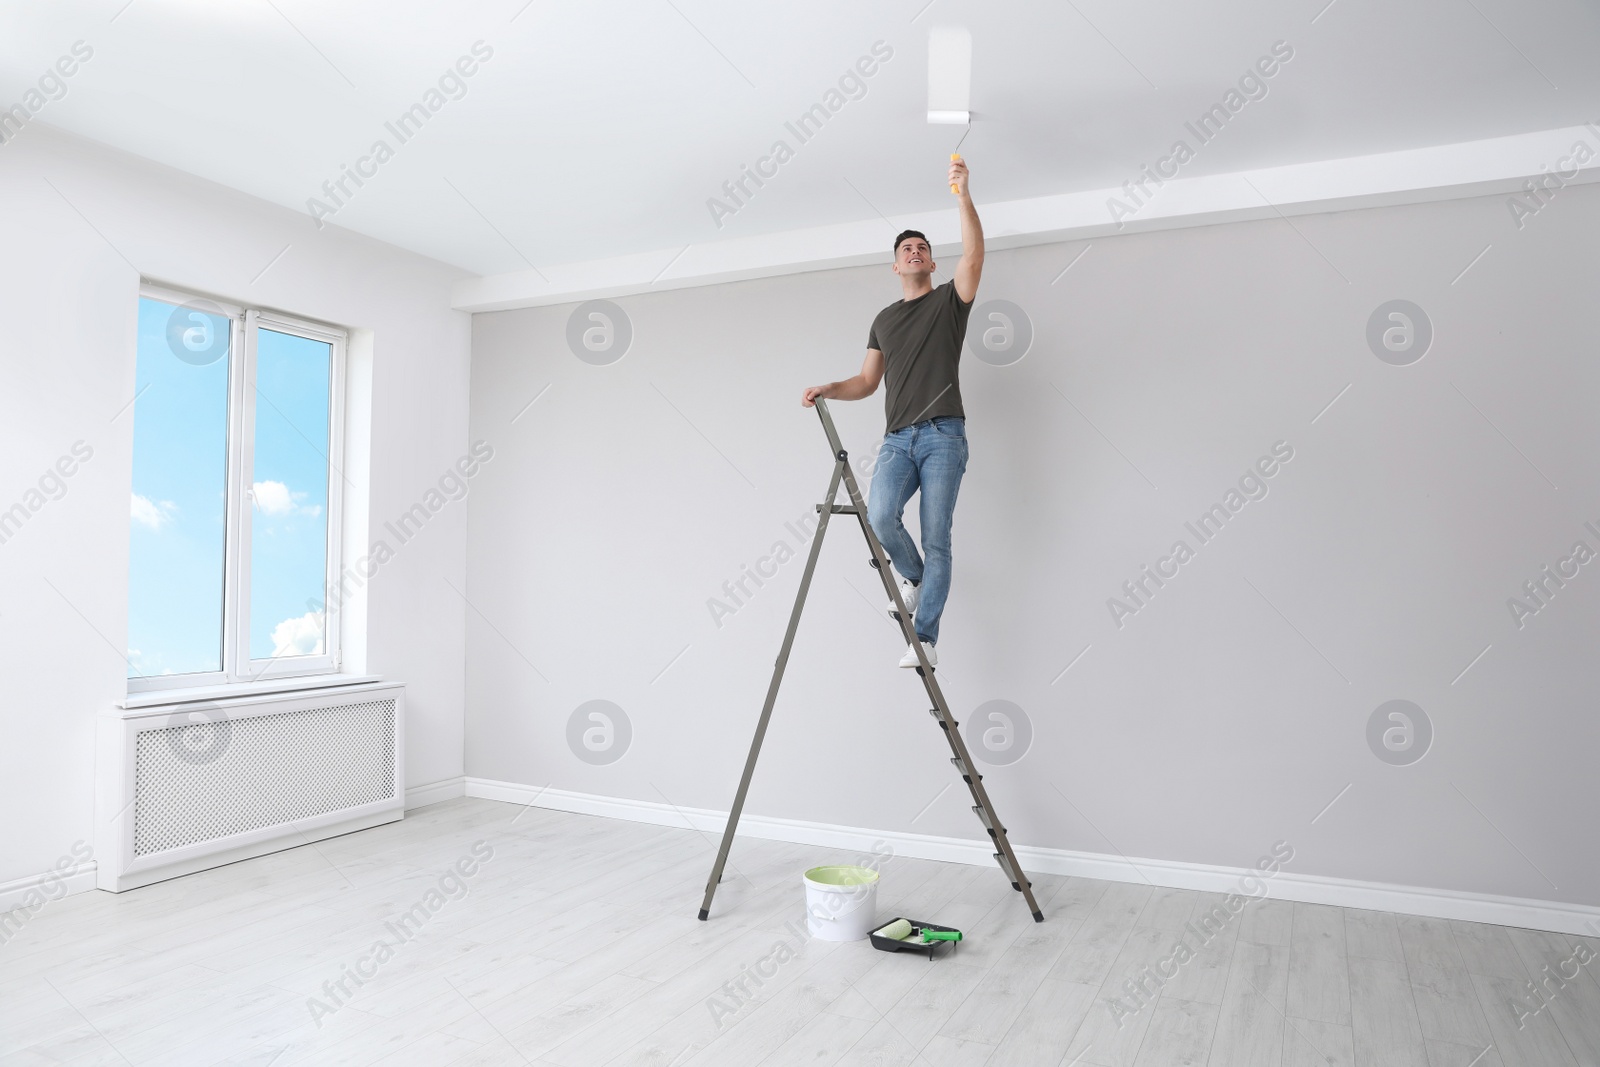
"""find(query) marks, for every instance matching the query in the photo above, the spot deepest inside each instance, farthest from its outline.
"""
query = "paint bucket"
(841, 902)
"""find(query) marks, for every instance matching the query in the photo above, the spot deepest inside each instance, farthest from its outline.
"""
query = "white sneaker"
(908, 593)
(910, 658)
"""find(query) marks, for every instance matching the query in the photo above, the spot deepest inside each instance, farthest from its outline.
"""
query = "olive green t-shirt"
(921, 344)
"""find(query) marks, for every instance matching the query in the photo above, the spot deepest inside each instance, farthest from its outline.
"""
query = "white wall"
(83, 222)
(1226, 714)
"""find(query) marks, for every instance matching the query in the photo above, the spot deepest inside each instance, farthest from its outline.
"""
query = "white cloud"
(275, 498)
(148, 513)
(300, 636)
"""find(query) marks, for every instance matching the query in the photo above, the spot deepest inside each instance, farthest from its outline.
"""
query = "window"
(236, 490)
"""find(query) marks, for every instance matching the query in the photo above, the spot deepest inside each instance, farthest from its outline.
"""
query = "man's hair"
(904, 235)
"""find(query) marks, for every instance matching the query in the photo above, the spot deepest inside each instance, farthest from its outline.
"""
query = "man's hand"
(809, 397)
(958, 176)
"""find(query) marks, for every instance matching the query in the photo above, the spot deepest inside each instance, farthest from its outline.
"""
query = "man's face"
(913, 257)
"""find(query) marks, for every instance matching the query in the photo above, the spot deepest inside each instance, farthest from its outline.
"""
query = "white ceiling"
(601, 128)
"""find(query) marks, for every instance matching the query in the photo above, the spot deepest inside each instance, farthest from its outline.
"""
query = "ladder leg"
(839, 470)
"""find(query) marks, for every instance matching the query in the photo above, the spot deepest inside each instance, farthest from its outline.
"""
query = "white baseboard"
(32, 891)
(23, 898)
(279, 838)
(1285, 885)
(445, 789)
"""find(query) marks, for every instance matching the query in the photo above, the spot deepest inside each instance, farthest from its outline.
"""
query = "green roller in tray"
(911, 935)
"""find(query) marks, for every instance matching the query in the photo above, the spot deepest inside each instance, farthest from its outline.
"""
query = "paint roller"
(902, 930)
(950, 81)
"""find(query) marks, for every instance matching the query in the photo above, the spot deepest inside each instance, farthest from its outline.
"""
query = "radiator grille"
(213, 777)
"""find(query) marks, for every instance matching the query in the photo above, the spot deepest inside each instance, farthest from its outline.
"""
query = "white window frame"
(238, 668)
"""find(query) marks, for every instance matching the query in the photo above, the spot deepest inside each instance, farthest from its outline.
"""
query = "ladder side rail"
(772, 692)
(925, 670)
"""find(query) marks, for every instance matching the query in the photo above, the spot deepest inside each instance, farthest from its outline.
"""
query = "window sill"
(190, 695)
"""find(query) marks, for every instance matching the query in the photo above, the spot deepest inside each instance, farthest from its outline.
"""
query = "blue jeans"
(931, 456)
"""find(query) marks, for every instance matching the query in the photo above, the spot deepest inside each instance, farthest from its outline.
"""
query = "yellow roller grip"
(953, 187)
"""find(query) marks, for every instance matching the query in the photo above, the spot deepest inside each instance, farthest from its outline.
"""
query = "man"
(915, 344)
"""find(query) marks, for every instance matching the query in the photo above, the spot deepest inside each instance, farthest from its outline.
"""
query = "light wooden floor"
(577, 945)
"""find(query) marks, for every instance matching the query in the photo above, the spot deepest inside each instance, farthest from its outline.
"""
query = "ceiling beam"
(1443, 172)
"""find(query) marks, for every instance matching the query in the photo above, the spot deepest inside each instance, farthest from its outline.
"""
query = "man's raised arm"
(970, 269)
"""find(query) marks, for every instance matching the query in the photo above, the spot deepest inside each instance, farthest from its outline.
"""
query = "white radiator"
(183, 787)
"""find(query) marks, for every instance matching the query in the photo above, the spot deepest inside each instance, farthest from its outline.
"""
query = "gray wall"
(1234, 706)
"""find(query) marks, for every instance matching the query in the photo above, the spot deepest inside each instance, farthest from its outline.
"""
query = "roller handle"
(954, 191)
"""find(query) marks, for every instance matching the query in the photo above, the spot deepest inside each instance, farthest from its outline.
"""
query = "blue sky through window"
(289, 534)
(180, 462)
(179, 498)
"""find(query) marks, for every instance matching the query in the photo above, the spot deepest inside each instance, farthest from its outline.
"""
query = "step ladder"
(940, 710)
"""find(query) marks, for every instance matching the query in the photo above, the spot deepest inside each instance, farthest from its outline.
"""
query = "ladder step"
(983, 817)
(1006, 867)
(937, 718)
(966, 775)
(840, 509)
